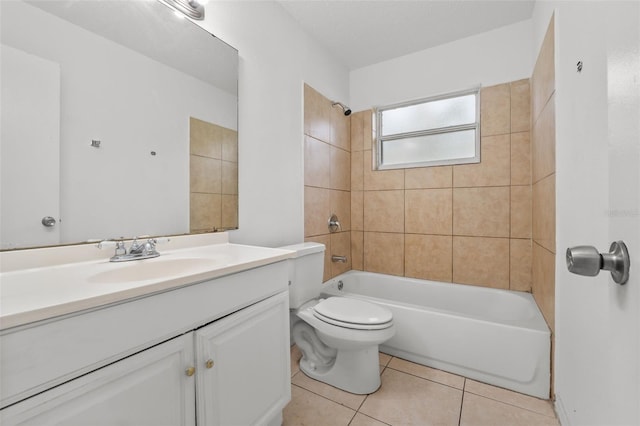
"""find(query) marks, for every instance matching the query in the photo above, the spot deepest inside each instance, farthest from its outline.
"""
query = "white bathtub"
(493, 336)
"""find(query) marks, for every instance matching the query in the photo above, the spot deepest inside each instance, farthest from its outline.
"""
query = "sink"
(141, 270)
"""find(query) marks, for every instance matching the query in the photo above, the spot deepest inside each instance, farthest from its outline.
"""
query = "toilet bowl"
(338, 336)
(340, 345)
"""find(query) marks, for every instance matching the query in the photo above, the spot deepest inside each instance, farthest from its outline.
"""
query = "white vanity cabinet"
(211, 353)
(149, 388)
(242, 362)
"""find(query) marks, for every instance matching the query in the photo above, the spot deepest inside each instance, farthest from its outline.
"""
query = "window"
(429, 132)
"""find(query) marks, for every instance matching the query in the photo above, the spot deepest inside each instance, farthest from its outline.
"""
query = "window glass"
(429, 115)
(429, 132)
(437, 147)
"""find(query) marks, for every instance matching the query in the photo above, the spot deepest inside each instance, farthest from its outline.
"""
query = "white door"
(150, 388)
(243, 368)
(598, 197)
(623, 90)
(30, 123)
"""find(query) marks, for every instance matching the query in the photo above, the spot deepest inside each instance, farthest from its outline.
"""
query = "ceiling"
(365, 32)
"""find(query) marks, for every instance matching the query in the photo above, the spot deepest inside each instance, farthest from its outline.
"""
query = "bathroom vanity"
(198, 335)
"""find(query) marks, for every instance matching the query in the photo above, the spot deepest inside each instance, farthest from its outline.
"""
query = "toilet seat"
(353, 313)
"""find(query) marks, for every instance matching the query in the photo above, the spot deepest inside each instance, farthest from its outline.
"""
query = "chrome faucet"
(137, 251)
(143, 249)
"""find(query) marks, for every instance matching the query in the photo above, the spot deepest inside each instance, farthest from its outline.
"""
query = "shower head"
(345, 108)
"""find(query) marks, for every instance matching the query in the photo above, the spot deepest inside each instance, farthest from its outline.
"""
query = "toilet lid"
(353, 313)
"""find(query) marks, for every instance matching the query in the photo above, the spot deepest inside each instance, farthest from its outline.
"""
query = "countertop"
(40, 293)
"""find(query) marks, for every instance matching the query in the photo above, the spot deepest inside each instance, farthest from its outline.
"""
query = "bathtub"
(493, 336)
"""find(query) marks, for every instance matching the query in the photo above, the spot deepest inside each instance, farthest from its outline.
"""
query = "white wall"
(276, 58)
(494, 57)
(597, 355)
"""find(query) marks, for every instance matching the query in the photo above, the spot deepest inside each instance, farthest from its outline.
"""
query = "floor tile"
(334, 394)
(384, 358)
(308, 409)
(404, 399)
(481, 411)
(541, 406)
(427, 373)
(362, 420)
(411, 394)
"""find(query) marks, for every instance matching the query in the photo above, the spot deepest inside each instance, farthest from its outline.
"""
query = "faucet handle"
(119, 246)
(150, 245)
(334, 223)
(121, 250)
(106, 244)
(110, 244)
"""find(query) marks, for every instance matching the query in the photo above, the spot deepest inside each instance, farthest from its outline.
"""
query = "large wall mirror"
(118, 119)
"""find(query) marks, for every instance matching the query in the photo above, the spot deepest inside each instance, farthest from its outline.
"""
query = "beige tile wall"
(213, 172)
(327, 178)
(489, 224)
(543, 173)
(467, 224)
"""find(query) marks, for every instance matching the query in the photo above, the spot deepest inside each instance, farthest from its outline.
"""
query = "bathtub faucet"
(341, 259)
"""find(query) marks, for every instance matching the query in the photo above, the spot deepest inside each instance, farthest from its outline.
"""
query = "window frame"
(379, 139)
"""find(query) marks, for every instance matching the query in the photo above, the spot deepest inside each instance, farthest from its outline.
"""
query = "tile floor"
(411, 394)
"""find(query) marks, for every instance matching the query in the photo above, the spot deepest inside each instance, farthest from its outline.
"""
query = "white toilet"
(338, 336)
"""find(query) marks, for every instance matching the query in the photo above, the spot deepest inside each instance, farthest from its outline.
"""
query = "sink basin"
(141, 270)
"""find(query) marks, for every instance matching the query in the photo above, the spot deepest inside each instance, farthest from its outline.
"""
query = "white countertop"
(34, 294)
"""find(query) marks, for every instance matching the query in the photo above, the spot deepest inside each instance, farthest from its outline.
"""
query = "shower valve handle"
(334, 223)
(586, 260)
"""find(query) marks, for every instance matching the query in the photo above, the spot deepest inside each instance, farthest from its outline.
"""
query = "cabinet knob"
(209, 363)
(190, 371)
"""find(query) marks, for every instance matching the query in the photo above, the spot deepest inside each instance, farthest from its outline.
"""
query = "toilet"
(338, 336)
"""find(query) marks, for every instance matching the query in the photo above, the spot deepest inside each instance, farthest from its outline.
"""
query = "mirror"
(118, 119)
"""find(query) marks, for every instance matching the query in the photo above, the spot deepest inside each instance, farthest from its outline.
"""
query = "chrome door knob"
(586, 260)
(48, 221)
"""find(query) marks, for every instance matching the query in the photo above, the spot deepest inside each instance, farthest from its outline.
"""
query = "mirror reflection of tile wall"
(213, 169)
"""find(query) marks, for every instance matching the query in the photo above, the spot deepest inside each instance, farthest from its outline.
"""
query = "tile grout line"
(324, 397)
(512, 405)
(355, 413)
(384, 367)
(464, 385)
(429, 380)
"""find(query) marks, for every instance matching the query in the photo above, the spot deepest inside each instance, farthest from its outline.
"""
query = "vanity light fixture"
(191, 8)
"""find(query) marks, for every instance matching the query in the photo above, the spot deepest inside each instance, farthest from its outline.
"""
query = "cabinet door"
(243, 365)
(148, 388)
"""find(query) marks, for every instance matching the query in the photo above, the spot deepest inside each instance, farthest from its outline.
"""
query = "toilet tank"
(306, 270)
